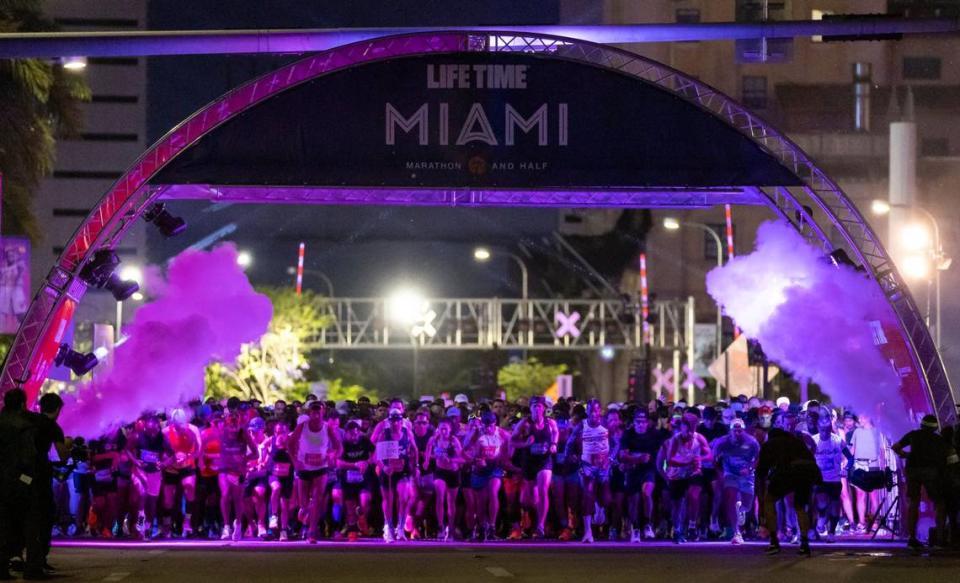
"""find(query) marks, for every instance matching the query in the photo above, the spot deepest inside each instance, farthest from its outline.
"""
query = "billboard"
(14, 282)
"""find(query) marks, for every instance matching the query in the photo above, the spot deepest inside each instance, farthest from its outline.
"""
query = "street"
(427, 562)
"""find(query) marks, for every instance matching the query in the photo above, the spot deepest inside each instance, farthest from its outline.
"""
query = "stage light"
(244, 259)
(100, 272)
(137, 297)
(168, 224)
(132, 273)
(607, 353)
(74, 63)
(915, 237)
(916, 266)
(879, 207)
(78, 362)
(406, 306)
(671, 224)
(481, 254)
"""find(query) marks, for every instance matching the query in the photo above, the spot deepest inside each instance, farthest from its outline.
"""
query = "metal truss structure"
(813, 209)
(482, 324)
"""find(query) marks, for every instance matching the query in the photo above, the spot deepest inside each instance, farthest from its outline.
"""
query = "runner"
(208, 484)
(356, 479)
(638, 452)
(280, 476)
(147, 451)
(565, 485)
(231, 464)
(681, 462)
(396, 457)
(181, 448)
(538, 436)
(830, 457)
(313, 446)
(489, 452)
(736, 454)
(424, 489)
(445, 455)
(104, 458)
(257, 480)
(591, 439)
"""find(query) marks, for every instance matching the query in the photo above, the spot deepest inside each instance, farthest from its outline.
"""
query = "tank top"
(596, 445)
(281, 464)
(540, 448)
(233, 452)
(181, 442)
(443, 452)
(314, 447)
(489, 446)
(149, 450)
(402, 461)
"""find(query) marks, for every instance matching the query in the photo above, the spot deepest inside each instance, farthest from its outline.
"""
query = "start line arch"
(483, 119)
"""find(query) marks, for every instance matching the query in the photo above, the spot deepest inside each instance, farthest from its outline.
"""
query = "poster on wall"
(14, 282)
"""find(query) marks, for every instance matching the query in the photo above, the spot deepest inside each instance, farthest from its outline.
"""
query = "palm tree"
(39, 102)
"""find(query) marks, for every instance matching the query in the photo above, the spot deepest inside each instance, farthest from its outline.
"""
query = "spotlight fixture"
(839, 257)
(169, 225)
(100, 272)
(78, 362)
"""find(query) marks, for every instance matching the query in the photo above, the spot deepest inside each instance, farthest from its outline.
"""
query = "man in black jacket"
(926, 462)
(786, 466)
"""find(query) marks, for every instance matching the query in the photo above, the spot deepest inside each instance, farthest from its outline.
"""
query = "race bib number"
(539, 448)
(314, 459)
(282, 470)
(490, 452)
(828, 464)
(149, 457)
(103, 475)
(354, 477)
(388, 450)
(595, 451)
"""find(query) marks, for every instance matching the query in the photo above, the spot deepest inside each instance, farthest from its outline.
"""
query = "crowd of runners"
(450, 470)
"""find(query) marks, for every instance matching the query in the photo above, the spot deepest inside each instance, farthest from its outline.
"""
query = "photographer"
(926, 462)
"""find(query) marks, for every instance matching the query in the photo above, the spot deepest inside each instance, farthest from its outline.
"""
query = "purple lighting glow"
(205, 308)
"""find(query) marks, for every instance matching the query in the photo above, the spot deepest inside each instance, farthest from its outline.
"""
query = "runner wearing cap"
(396, 456)
(257, 481)
(356, 479)
(638, 452)
(488, 451)
(280, 475)
(736, 454)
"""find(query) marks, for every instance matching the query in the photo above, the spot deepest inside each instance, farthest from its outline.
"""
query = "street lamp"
(244, 259)
(918, 267)
(129, 273)
(672, 224)
(483, 254)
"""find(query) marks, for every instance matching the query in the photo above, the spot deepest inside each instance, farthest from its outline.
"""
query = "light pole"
(482, 255)
(940, 261)
(408, 308)
(672, 224)
(128, 273)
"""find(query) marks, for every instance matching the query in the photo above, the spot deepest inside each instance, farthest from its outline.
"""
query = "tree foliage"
(40, 102)
(275, 367)
(529, 378)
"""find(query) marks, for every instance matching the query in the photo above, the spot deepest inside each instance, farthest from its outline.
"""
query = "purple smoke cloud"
(205, 309)
(813, 319)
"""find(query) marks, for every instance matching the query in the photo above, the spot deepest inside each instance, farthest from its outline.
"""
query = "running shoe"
(274, 523)
(773, 549)
(237, 530)
(678, 537)
(400, 535)
(635, 535)
(804, 550)
(353, 536)
(490, 534)
(72, 530)
(566, 534)
(614, 535)
(362, 525)
(831, 538)
(588, 536)
(737, 539)
(538, 534)
(515, 534)
(648, 532)
(861, 529)
(387, 534)
(445, 535)
(284, 536)
(914, 545)
(55, 531)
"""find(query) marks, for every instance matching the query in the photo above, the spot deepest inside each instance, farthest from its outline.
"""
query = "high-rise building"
(113, 136)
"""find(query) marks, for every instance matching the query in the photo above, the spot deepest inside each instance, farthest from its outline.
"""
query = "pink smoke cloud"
(813, 319)
(204, 309)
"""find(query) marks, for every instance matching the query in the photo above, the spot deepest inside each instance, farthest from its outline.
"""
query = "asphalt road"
(555, 563)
